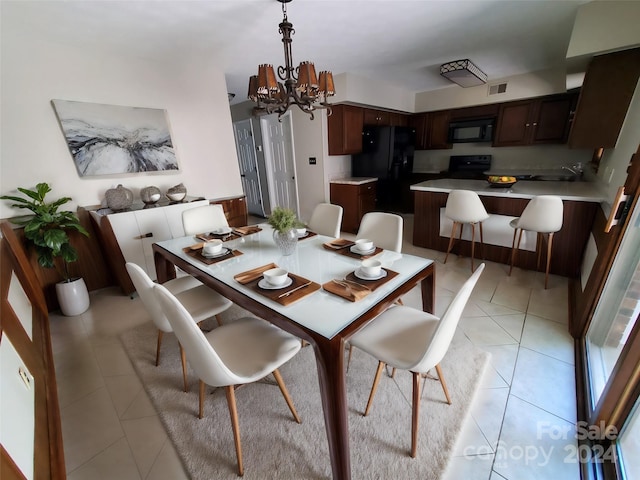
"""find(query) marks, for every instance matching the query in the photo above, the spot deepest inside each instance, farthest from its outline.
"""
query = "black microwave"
(468, 131)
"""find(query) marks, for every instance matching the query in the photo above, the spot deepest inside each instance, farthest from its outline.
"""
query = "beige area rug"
(275, 447)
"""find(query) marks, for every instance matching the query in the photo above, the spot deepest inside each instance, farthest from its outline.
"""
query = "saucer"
(362, 276)
(222, 231)
(222, 253)
(353, 249)
(267, 286)
(306, 234)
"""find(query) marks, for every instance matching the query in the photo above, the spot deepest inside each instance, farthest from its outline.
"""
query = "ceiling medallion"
(298, 86)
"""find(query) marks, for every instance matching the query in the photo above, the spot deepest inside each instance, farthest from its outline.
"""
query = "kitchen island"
(581, 201)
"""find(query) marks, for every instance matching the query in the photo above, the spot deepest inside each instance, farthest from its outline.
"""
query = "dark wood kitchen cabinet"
(235, 210)
(355, 200)
(608, 87)
(345, 129)
(536, 121)
(432, 130)
(375, 117)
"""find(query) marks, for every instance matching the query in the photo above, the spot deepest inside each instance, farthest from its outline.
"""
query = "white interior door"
(250, 177)
(281, 175)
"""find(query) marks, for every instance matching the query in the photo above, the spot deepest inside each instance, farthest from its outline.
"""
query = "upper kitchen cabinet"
(535, 121)
(375, 117)
(432, 130)
(398, 119)
(479, 111)
(607, 90)
(345, 129)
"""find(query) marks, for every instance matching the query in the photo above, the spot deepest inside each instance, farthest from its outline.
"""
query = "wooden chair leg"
(183, 359)
(473, 243)
(539, 238)
(285, 394)
(349, 357)
(513, 250)
(415, 415)
(443, 383)
(374, 387)
(451, 239)
(481, 239)
(219, 320)
(233, 411)
(546, 276)
(201, 384)
(160, 334)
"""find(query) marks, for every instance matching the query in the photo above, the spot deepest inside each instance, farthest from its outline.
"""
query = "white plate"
(222, 231)
(353, 249)
(363, 276)
(267, 286)
(222, 253)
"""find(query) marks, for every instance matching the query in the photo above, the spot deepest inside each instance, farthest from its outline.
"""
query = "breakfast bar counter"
(581, 201)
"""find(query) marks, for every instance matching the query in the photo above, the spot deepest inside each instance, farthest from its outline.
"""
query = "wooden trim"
(37, 355)
(8, 469)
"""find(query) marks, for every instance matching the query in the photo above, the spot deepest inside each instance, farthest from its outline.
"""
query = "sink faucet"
(576, 169)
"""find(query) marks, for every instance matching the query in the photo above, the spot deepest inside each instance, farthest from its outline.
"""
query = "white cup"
(302, 231)
(371, 267)
(364, 244)
(275, 276)
(212, 247)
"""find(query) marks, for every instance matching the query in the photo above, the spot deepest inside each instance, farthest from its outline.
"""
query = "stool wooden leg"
(546, 275)
(515, 247)
(451, 238)
(473, 243)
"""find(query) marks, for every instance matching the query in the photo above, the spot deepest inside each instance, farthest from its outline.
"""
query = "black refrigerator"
(387, 154)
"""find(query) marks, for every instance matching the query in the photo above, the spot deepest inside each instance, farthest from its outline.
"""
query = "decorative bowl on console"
(177, 193)
(150, 195)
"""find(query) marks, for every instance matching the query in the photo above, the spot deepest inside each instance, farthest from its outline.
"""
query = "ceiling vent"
(496, 89)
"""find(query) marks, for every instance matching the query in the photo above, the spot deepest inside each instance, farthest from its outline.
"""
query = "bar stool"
(465, 206)
(543, 215)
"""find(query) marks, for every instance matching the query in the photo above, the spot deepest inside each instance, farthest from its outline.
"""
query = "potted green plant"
(284, 223)
(46, 231)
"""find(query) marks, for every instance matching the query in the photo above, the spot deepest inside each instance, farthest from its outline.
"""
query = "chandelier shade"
(299, 86)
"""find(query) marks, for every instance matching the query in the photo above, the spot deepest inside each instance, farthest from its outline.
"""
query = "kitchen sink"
(556, 178)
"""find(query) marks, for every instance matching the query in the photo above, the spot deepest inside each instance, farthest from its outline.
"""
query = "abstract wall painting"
(113, 139)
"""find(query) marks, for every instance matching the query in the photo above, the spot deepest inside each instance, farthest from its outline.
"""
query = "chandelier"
(300, 86)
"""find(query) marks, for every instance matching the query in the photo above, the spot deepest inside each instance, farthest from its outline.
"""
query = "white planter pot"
(73, 297)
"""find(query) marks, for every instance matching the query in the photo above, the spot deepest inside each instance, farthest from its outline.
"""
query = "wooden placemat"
(353, 293)
(338, 244)
(197, 254)
(235, 233)
(308, 235)
(251, 278)
(346, 251)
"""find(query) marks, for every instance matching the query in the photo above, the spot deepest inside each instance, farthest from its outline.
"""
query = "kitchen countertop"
(354, 180)
(576, 191)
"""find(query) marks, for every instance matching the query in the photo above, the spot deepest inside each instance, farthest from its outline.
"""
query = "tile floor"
(521, 424)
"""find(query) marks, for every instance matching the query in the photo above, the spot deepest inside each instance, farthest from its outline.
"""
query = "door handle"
(619, 210)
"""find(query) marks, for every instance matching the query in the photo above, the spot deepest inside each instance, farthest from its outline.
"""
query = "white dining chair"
(200, 300)
(465, 207)
(543, 215)
(409, 339)
(206, 218)
(240, 352)
(326, 219)
(385, 229)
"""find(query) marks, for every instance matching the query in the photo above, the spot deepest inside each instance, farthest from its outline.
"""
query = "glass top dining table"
(323, 319)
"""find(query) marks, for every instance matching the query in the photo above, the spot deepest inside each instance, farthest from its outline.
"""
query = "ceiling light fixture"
(464, 73)
(299, 86)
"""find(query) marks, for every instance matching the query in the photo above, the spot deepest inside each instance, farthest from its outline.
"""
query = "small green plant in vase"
(46, 231)
(284, 223)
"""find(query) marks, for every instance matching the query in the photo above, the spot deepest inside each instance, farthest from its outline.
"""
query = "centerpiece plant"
(47, 232)
(284, 223)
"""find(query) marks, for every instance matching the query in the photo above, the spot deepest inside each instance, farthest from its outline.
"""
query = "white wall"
(534, 84)
(366, 91)
(603, 26)
(36, 70)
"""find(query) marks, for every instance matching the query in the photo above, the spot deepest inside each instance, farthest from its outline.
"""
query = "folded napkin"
(250, 275)
(350, 291)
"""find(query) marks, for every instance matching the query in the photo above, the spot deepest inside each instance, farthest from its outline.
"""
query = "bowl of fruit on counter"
(501, 181)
